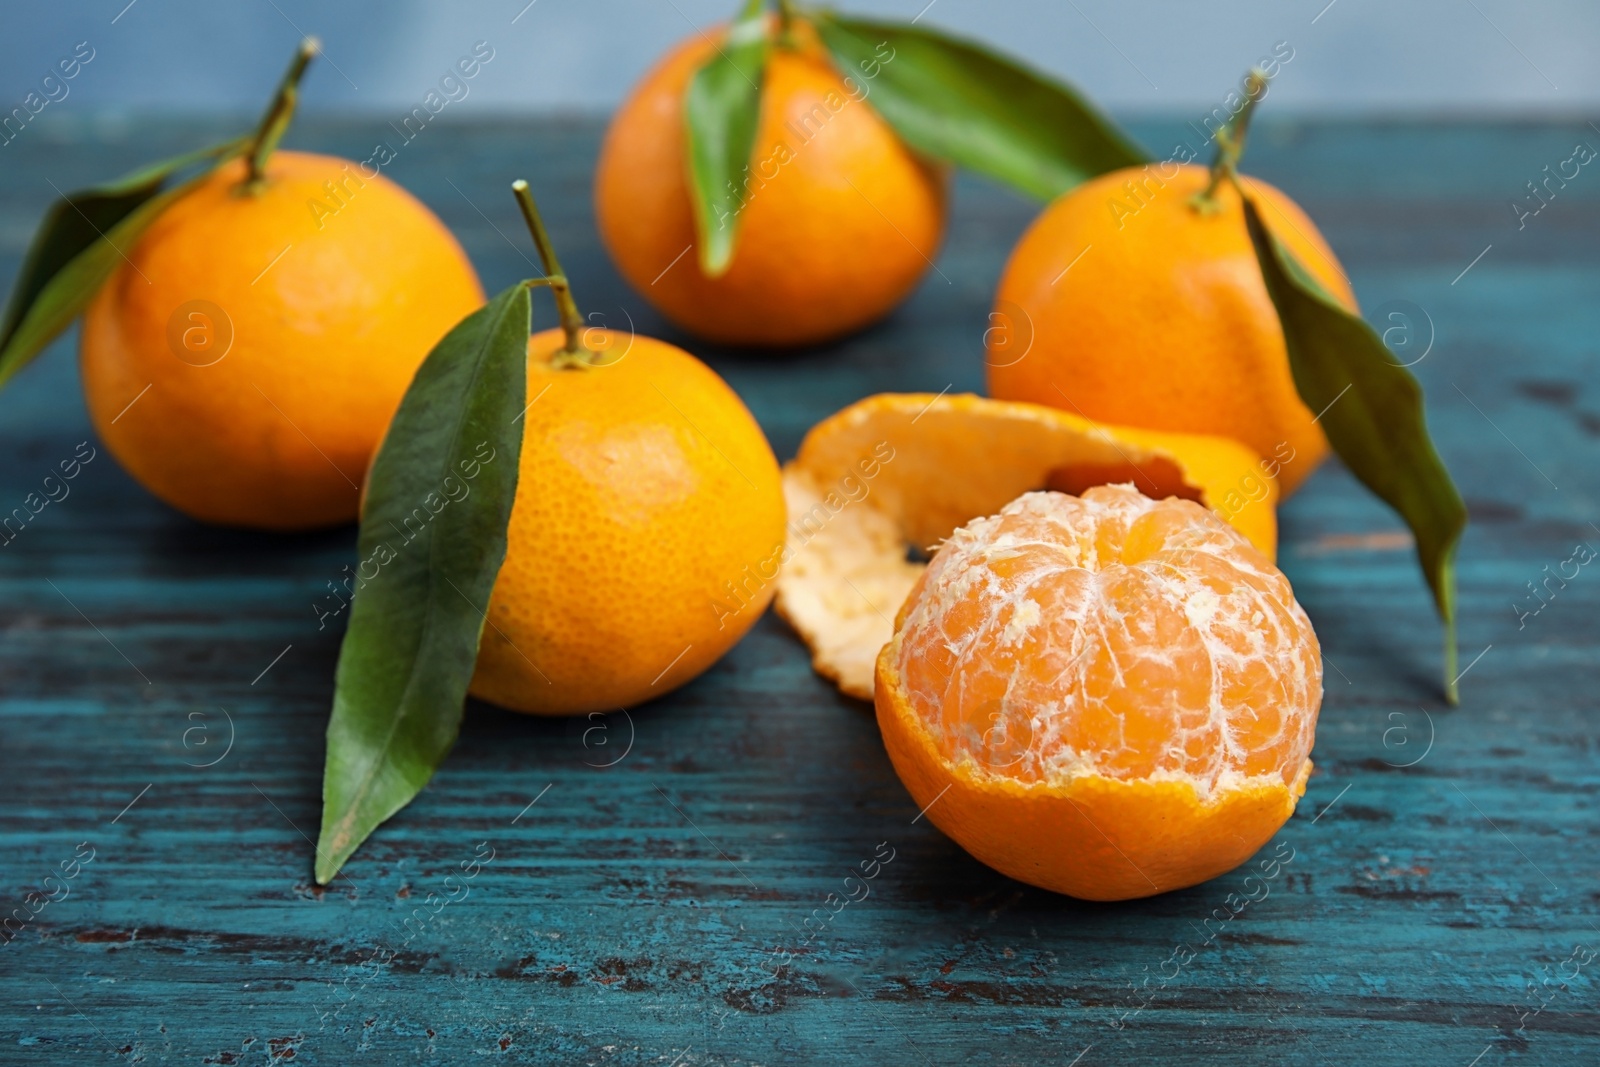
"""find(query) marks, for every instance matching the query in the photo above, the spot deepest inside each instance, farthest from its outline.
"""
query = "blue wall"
(1353, 56)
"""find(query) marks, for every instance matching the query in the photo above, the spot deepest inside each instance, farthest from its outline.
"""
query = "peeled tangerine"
(1108, 696)
(1105, 695)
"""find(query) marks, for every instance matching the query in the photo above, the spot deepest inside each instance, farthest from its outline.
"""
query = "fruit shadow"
(847, 354)
(1362, 643)
(182, 545)
(519, 742)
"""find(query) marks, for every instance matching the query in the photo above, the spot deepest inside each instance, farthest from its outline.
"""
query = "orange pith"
(1144, 311)
(329, 313)
(648, 502)
(1103, 669)
(840, 220)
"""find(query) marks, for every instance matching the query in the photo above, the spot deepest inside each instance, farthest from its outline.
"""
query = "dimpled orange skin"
(1106, 696)
(648, 507)
(841, 230)
(1164, 322)
(329, 324)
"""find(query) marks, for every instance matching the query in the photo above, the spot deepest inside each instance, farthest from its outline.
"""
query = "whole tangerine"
(647, 527)
(1128, 302)
(840, 218)
(245, 360)
(1107, 696)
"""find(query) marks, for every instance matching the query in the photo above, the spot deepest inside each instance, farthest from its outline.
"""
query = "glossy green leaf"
(1372, 412)
(957, 101)
(81, 240)
(722, 107)
(433, 536)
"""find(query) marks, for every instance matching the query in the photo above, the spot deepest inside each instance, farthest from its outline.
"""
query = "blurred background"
(1350, 57)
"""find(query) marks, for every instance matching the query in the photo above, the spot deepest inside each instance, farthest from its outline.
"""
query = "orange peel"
(898, 472)
(1095, 838)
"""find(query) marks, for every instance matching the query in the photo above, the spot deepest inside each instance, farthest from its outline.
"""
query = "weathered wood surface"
(1444, 861)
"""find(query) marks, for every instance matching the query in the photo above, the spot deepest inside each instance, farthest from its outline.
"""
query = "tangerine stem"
(276, 121)
(1230, 140)
(555, 277)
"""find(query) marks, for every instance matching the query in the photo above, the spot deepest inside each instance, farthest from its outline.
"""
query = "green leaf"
(81, 240)
(433, 529)
(722, 107)
(955, 100)
(1371, 409)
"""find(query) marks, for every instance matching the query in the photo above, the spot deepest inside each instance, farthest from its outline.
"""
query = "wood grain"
(1444, 861)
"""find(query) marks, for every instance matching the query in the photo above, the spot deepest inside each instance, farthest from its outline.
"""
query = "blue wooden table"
(164, 689)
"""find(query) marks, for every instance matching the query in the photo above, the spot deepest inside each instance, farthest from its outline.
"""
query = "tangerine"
(1108, 696)
(840, 219)
(648, 511)
(1141, 307)
(244, 361)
